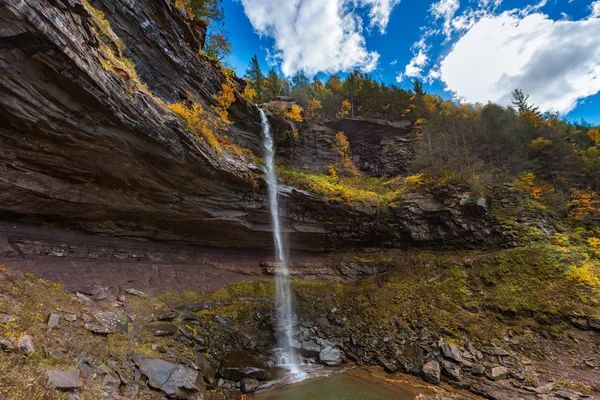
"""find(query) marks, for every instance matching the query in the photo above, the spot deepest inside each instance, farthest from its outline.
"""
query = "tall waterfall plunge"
(282, 281)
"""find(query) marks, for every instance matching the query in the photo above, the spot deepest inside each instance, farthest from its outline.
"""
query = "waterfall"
(282, 281)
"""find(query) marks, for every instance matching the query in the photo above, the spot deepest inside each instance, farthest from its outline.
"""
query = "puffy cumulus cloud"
(319, 35)
(555, 62)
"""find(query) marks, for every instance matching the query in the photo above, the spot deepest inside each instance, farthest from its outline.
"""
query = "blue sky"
(477, 50)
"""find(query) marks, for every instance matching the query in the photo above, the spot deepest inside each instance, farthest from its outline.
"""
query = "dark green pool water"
(341, 387)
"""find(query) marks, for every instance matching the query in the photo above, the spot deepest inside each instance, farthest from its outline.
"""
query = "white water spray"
(282, 281)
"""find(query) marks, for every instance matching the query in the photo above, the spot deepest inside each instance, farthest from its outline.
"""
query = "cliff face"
(97, 150)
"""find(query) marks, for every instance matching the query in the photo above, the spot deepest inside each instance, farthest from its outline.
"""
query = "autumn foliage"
(344, 110)
(203, 125)
(294, 113)
(344, 165)
(585, 205)
(311, 107)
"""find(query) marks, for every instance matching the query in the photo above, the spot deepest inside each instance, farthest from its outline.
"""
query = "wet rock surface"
(330, 356)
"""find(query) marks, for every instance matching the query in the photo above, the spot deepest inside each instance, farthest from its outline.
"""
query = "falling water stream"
(282, 282)
(304, 383)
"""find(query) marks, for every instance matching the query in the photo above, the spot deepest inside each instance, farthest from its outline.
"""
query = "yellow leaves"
(560, 239)
(330, 186)
(594, 134)
(594, 244)
(344, 110)
(539, 143)
(332, 172)
(430, 103)
(585, 274)
(409, 109)
(584, 204)
(313, 105)
(294, 113)
(203, 125)
(531, 118)
(224, 100)
(415, 180)
(195, 121)
(342, 146)
(525, 181)
(249, 93)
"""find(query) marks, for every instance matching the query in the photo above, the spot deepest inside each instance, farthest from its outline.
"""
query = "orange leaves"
(526, 183)
(594, 134)
(224, 99)
(184, 5)
(585, 205)
(344, 110)
(430, 103)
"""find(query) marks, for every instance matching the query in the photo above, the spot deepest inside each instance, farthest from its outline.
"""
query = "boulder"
(248, 385)
(477, 369)
(207, 367)
(451, 370)
(175, 380)
(25, 345)
(99, 329)
(115, 322)
(388, 366)
(85, 366)
(310, 349)
(111, 382)
(53, 320)
(6, 344)
(330, 356)
(432, 372)
(64, 380)
(451, 351)
(497, 373)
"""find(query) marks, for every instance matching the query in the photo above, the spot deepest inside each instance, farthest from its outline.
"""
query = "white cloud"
(414, 69)
(319, 35)
(379, 11)
(595, 7)
(394, 62)
(556, 62)
(445, 9)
